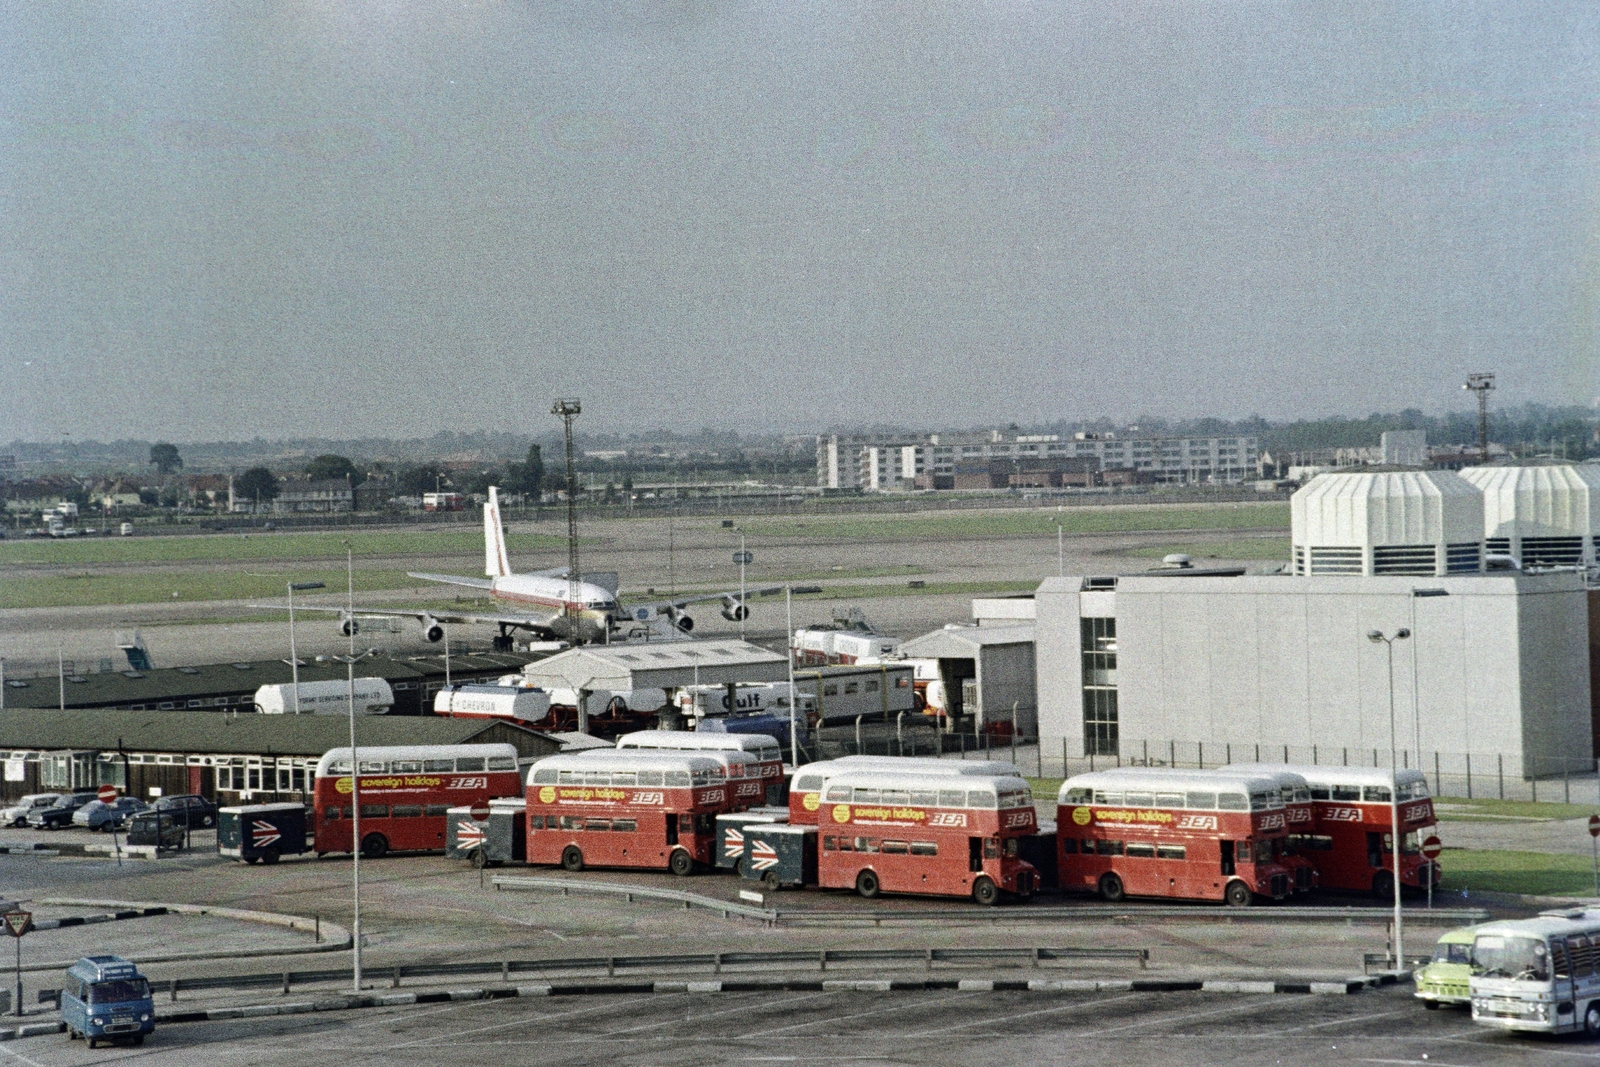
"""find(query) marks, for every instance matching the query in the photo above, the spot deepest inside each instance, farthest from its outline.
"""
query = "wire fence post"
(1500, 762)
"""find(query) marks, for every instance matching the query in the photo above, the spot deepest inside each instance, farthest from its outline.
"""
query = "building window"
(1099, 651)
(1405, 559)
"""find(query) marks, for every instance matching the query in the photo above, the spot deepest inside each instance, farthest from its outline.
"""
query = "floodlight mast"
(569, 410)
(1482, 384)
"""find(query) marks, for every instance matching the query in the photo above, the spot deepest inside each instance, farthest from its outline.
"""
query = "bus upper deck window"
(445, 766)
(1265, 801)
(1376, 793)
(1169, 800)
(1319, 792)
(1140, 800)
(502, 763)
(677, 779)
(952, 798)
(1233, 802)
(981, 798)
(867, 796)
(649, 777)
(373, 766)
(545, 776)
(469, 763)
(406, 766)
(924, 798)
(624, 778)
(1108, 800)
(1202, 801)
(896, 796)
(1080, 796)
(1345, 792)
(339, 766)
(808, 783)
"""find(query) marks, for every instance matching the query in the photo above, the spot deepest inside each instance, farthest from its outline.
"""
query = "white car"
(17, 814)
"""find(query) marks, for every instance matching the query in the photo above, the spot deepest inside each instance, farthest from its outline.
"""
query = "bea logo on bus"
(841, 813)
(811, 801)
(547, 795)
(1081, 816)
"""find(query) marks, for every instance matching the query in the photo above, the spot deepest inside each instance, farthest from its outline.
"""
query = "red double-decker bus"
(1298, 812)
(626, 808)
(755, 782)
(406, 791)
(1351, 842)
(1157, 832)
(907, 831)
(805, 787)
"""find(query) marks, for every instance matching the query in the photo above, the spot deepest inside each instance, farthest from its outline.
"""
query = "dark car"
(189, 809)
(160, 829)
(59, 815)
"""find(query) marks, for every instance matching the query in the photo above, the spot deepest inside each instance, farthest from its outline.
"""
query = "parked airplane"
(553, 607)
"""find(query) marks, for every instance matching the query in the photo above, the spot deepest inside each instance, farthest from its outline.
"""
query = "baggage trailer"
(778, 855)
(731, 831)
(261, 833)
(499, 839)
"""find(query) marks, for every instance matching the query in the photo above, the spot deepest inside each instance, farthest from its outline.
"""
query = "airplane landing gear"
(504, 643)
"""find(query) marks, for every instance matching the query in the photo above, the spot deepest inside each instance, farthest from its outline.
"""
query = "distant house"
(115, 493)
(37, 494)
(328, 494)
(373, 494)
(209, 489)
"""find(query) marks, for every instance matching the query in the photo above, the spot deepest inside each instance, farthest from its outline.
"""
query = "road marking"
(1250, 1006)
(1023, 1015)
(20, 1058)
(609, 1006)
(846, 1018)
(1341, 1022)
(741, 1007)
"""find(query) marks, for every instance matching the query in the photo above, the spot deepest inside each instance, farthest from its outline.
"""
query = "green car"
(1444, 979)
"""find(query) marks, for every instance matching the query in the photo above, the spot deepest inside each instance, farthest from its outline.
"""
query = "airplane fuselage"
(596, 609)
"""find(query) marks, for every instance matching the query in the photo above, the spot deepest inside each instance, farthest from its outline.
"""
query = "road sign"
(18, 922)
(746, 558)
(1432, 847)
(480, 812)
(106, 794)
(1594, 826)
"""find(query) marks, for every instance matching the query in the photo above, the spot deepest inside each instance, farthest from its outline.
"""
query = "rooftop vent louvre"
(1335, 560)
(1404, 559)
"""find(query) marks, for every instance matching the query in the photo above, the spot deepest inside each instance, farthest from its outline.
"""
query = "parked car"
(98, 815)
(152, 827)
(107, 999)
(190, 809)
(59, 815)
(17, 814)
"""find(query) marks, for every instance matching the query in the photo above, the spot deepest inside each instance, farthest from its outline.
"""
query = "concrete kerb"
(335, 938)
(350, 1002)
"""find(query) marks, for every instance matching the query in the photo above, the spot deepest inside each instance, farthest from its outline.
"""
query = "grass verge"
(1522, 809)
(1242, 548)
(1037, 523)
(1527, 873)
(467, 540)
(92, 590)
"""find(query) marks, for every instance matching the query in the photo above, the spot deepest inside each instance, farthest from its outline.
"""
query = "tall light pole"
(1377, 636)
(569, 410)
(294, 658)
(355, 809)
(1481, 384)
(794, 730)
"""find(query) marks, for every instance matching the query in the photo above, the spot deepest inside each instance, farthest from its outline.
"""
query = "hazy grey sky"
(221, 220)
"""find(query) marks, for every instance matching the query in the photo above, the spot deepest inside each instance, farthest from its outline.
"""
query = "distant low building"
(328, 494)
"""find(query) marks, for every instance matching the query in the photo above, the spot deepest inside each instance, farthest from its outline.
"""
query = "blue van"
(107, 998)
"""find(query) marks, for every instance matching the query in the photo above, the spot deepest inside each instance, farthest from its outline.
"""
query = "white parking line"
(899, 1006)
(1341, 1022)
(521, 1021)
(987, 1020)
(743, 1007)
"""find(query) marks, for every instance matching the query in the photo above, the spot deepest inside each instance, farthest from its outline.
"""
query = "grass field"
(466, 540)
(865, 592)
(1240, 548)
(101, 589)
(1031, 523)
(1529, 873)
(1462, 808)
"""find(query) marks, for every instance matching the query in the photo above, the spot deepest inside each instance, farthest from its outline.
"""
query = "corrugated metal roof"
(662, 664)
(964, 641)
(217, 732)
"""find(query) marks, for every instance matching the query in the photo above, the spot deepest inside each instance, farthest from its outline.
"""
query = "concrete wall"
(1006, 676)
(1499, 667)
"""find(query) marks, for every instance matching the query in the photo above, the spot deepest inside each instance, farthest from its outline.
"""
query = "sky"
(223, 220)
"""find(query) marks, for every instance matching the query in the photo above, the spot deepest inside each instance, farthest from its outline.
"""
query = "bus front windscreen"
(119, 991)
(1498, 956)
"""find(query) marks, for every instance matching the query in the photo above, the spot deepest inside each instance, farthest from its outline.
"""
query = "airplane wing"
(538, 623)
(728, 597)
(453, 579)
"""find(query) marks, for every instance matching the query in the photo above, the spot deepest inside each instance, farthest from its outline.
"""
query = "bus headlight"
(98, 1022)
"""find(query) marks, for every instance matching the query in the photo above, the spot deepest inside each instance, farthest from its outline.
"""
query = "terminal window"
(1099, 650)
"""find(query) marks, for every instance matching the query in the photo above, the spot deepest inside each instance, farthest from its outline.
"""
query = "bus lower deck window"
(536, 822)
(1171, 852)
(1108, 848)
(846, 845)
(1012, 847)
(866, 844)
(330, 814)
(1139, 850)
(625, 825)
(924, 848)
(374, 811)
(597, 824)
(830, 844)
(896, 847)
(991, 848)
(408, 811)
(571, 822)
(1069, 845)
(1263, 851)
(433, 810)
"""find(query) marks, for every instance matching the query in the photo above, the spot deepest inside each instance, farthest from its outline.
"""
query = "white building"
(1544, 515)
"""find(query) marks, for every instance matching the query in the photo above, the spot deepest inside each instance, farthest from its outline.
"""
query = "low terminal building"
(229, 758)
(987, 675)
(232, 686)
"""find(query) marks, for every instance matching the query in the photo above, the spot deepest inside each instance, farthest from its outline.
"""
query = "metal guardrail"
(611, 965)
(567, 886)
(1384, 962)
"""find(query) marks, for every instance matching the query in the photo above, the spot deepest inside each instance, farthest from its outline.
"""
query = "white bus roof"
(1282, 773)
(1168, 780)
(684, 740)
(1329, 774)
(910, 764)
(876, 778)
(611, 759)
(385, 753)
(1542, 926)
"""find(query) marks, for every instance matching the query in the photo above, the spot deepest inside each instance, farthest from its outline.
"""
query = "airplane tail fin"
(495, 564)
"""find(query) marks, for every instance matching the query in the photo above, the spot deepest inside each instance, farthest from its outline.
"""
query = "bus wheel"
(1383, 885)
(270, 856)
(985, 892)
(374, 846)
(1111, 888)
(1591, 1020)
(94, 1042)
(138, 1039)
(480, 859)
(572, 858)
(1433, 1005)
(681, 863)
(1237, 895)
(769, 882)
(867, 884)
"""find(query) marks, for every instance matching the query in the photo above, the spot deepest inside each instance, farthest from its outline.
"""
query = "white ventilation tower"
(1415, 522)
(1545, 515)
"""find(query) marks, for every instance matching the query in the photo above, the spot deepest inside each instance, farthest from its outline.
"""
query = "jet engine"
(431, 629)
(350, 627)
(683, 622)
(734, 610)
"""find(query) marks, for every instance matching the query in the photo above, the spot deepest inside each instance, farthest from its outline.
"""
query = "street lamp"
(1376, 636)
(355, 806)
(294, 659)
